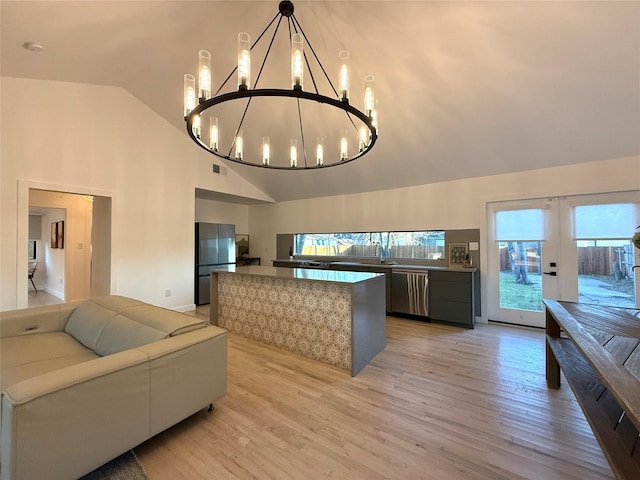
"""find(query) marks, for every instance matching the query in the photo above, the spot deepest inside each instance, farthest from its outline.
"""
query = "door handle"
(553, 274)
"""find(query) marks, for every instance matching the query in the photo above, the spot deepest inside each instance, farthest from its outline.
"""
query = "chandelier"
(340, 134)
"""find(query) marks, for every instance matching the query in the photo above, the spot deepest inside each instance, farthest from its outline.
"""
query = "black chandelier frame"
(285, 9)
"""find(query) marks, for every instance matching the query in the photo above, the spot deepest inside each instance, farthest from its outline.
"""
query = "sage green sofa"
(84, 382)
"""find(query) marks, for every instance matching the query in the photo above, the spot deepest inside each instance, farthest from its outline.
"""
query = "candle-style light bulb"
(204, 76)
(189, 93)
(343, 83)
(213, 133)
(297, 61)
(369, 95)
(197, 131)
(293, 153)
(239, 145)
(364, 138)
(319, 151)
(266, 151)
(344, 144)
(244, 61)
(374, 120)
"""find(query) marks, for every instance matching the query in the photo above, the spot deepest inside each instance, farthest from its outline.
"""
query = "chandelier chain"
(304, 150)
(235, 69)
(316, 57)
(296, 23)
(255, 85)
(306, 58)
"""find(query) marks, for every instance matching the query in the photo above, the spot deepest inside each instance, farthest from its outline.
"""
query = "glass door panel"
(522, 260)
(605, 274)
(520, 275)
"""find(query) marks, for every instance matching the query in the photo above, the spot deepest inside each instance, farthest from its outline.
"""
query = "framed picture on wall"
(61, 234)
(54, 235)
(457, 254)
(242, 245)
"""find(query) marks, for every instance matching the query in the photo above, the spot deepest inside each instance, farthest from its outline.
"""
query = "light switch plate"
(473, 246)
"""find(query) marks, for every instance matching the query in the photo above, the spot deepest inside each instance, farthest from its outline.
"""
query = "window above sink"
(416, 245)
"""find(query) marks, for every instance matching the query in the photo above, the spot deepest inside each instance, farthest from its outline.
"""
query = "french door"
(570, 248)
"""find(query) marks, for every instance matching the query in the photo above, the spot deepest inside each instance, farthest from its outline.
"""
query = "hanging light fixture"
(361, 125)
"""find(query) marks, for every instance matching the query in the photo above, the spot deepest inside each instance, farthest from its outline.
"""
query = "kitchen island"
(337, 317)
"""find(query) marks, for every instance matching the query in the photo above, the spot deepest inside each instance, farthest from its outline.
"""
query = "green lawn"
(521, 297)
(599, 289)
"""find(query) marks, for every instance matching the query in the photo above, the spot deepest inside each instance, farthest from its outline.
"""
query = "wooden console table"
(598, 350)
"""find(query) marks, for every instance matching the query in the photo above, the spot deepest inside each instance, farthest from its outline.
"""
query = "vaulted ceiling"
(465, 89)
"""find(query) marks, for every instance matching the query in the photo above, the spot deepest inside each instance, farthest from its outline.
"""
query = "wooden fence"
(397, 251)
(604, 261)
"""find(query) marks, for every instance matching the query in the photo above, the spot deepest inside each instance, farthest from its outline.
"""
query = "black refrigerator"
(215, 246)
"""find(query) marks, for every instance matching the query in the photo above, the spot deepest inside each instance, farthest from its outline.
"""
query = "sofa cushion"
(168, 321)
(89, 318)
(140, 325)
(113, 324)
(27, 356)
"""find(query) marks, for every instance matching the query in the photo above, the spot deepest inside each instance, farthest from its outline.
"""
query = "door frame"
(22, 261)
(567, 242)
(566, 256)
(549, 252)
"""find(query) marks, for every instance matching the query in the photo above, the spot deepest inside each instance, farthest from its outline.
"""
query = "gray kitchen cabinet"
(452, 297)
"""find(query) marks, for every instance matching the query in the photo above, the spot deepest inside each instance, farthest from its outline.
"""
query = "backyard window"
(419, 245)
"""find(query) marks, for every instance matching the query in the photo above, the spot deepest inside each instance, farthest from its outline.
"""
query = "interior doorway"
(46, 264)
(77, 264)
(574, 248)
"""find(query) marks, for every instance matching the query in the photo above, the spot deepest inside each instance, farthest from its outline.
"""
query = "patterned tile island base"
(334, 317)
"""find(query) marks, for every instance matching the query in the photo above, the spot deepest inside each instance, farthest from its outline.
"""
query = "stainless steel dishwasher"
(410, 292)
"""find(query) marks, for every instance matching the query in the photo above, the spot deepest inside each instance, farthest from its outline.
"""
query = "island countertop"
(384, 267)
(283, 273)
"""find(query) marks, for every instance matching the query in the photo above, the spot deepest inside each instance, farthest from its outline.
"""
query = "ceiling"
(465, 89)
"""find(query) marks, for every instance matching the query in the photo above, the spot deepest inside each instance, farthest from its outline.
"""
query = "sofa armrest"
(100, 402)
(187, 372)
(28, 321)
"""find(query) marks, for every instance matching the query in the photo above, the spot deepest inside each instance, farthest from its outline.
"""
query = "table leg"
(552, 366)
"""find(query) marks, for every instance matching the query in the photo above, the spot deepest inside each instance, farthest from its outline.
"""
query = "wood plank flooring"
(439, 402)
(41, 298)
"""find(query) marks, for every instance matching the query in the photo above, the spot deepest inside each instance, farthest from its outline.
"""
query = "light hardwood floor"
(41, 298)
(439, 402)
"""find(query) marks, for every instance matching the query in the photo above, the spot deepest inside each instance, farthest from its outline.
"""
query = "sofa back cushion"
(113, 324)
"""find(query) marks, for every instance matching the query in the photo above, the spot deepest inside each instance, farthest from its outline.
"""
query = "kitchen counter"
(335, 276)
(336, 317)
(451, 296)
(321, 264)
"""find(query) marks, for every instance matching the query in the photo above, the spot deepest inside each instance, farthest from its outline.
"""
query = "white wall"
(101, 140)
(212, 211)
(458, 204)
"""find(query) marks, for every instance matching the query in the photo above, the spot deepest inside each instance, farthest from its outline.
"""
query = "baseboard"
(517, 325)
(59, 295)
(185, 308)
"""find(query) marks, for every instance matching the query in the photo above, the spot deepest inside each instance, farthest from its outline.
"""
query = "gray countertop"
(285, 273)
(381, 266)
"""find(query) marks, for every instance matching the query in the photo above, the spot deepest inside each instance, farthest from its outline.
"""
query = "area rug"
(125, 467)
